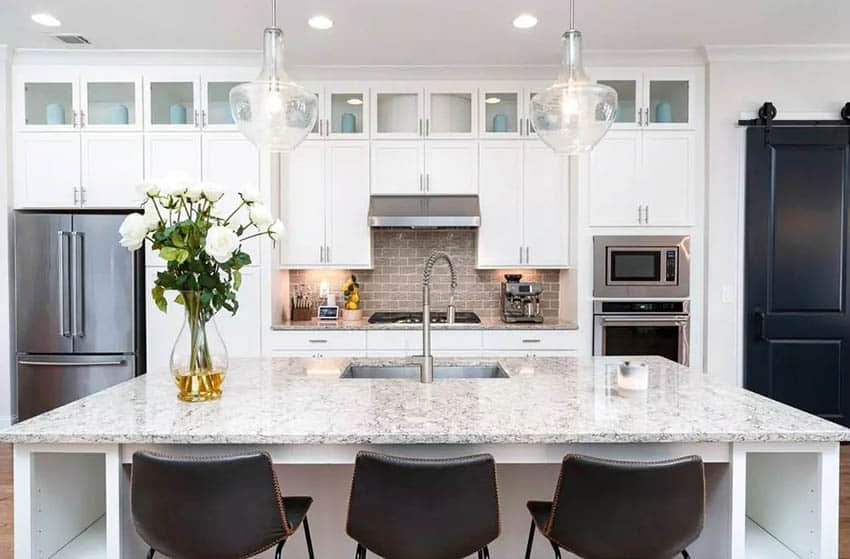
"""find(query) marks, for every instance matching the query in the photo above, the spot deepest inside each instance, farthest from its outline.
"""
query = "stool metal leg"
(530, 541)
(309, 539)
(360, 553)
(486, 552)
(279, 549)
(150, 553)
(555, 549)
(685, 554)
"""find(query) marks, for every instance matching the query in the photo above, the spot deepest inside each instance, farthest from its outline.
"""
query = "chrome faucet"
(426, 360)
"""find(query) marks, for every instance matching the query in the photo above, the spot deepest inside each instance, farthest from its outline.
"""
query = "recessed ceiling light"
(320, 22)
(492, 100)
(46, 19)
(355, 101)
(525, 21)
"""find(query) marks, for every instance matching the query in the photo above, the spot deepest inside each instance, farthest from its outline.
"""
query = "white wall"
(735, 87)
(6, 381)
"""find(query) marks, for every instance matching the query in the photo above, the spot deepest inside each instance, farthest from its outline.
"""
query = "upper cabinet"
(505, 109)
(662, 98)
(439, 111)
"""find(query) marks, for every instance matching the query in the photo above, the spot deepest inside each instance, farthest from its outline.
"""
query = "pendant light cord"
(572, 14)
(274, 13)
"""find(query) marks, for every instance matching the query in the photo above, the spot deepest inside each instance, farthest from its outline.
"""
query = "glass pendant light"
(272, 111)
(574, 113)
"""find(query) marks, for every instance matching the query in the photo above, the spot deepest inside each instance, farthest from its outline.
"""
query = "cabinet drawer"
(385, 342)
(460, 340)
(530, 340)
(318, 340)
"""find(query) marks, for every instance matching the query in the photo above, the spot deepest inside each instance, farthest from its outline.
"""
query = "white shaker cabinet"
(325, 204)
(417, 167)
(397, 167)
(112, 166)
(229, 159)
(169, 152)
(241, 333)
(525, 211)
(451, 167)
(47, 169)
(643, 178)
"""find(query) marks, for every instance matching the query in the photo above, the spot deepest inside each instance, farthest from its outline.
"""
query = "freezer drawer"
(49, 381)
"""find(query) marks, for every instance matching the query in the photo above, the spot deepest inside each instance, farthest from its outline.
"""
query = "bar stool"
(406, 508)
(213, 508)
(605, 509)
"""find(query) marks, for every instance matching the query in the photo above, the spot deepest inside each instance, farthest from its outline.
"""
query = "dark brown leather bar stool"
(213, 508)
(605, 509)
(406, 508)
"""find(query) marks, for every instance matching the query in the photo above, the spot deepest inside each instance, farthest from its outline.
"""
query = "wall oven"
(641, 266)
(642, 328)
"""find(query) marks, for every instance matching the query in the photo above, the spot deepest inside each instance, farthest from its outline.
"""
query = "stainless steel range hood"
(428, 212)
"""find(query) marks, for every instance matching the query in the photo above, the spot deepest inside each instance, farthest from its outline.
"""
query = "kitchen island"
(772, 471)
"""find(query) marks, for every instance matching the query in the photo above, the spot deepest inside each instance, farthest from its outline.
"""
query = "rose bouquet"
(198, 228)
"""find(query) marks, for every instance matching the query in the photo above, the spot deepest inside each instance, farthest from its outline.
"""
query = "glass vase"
(199, 357)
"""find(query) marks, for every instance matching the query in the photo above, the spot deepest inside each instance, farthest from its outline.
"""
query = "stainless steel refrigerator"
(79, 307)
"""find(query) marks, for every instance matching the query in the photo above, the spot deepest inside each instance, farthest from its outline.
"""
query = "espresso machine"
(521, 299)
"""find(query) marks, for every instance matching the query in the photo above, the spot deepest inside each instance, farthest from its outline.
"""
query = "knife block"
(301, 314)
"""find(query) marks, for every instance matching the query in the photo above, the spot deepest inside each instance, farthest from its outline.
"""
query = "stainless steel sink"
(412, 372)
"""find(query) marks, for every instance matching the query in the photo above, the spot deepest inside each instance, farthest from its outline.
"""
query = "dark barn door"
(797, 326)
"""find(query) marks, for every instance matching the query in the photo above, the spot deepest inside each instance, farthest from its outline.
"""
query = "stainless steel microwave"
(641, 266)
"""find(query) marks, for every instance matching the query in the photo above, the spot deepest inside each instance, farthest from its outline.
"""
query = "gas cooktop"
(461, 317)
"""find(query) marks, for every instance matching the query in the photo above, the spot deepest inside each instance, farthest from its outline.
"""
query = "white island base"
(764, 500)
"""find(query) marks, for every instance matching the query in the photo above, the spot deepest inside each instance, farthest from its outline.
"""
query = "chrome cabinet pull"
(327, 254)
(527, 255)
(63, 276)
(82, 118)
(646, 214)
(321, 254)
(77, 301)
(427, 182)
(74, 119)
(75, 196)
(197, 121)
(82, 195)
(520, 254)
(204, 120)
(640, 215)
(420, 127)
(428, 127)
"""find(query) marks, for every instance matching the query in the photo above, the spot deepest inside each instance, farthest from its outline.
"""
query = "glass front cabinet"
(660, 98)
(439, 111)
(505, 109)
(343, 111)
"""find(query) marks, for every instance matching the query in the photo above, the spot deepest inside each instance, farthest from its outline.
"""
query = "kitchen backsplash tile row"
(395, 282)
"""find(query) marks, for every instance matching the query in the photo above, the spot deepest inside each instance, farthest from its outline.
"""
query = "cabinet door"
(500, 235)
(347, 180)
(451, 167)
(46, 99)
(170, 152)
(398, 111)
(230, 160)
(242, 331)
(397, 167)
(47, 169)
(668, 177)
(531, 89)
(546, 207)
(346, 112)
(111, 100)
(111, 168)
(303, 207)
(215, 97)
(614, 179)
(501, 109)
(629, 87)
(318, 128)
(172, 101)
(450, 111)
(669, 98)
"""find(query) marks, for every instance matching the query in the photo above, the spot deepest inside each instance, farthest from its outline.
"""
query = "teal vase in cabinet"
(664, 112)
(177, 114)
(55, 114)
(120, 114)
(500, 123)
(348, 123)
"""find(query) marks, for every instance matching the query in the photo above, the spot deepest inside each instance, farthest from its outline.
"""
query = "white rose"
(133, 231)
(212, 191)
(261, 216)
(220, 243)
(250, 193)
(174, 184)
(276, 230)
(151, 216)
(194, 190)
(147, 188)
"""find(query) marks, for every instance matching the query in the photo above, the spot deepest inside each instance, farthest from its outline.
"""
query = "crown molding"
(85, 56)
(777, 53)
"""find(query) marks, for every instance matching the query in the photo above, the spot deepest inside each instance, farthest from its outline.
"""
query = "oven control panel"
(642, 307)
(670, 266)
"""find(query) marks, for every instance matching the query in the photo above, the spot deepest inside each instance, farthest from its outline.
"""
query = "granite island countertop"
(545, 400)
(363, 324)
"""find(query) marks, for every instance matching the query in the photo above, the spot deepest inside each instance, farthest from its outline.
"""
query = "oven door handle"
(675, 321)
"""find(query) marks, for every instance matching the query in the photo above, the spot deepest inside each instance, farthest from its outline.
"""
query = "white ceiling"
(428, 32)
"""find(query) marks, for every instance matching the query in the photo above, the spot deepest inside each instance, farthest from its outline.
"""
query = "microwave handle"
(647, 319)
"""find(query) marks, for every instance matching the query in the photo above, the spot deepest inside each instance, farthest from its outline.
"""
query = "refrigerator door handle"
(114, 363)
(64, 327)
(77, 303)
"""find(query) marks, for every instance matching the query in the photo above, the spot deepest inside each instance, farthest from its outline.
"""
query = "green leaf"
(158, 294)
(177, 240)
(237, 280)
(169, 253)
(179, 299)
